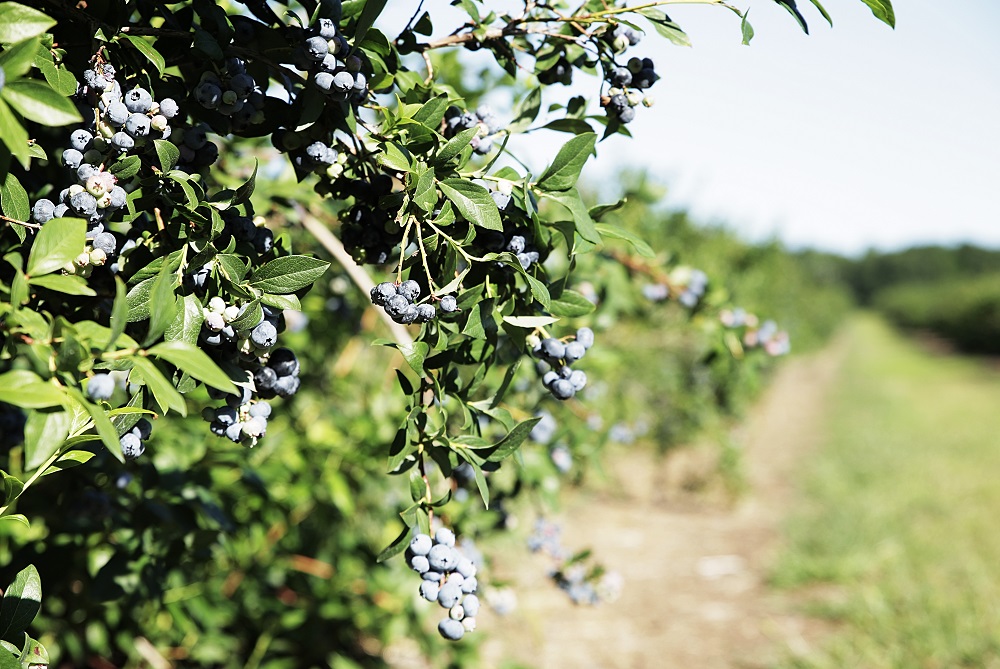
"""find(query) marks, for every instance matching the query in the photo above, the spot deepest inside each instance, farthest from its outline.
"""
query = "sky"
(853, 137)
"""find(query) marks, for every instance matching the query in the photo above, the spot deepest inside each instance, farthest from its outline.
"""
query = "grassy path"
(902, 517)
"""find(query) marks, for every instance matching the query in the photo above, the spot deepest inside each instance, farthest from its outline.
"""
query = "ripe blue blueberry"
(562, 389)
(448, 304)
(131, 445)
(382, 293)
(444, 536)
(137, 125)
(169, 108)
(284, 362)
(429, 590)
(470, 603)
(343, 81)
(286, 386)
(419, 563)
(138, 100)
(261, 409)
(72, 158)
(43, 211)
(451, 629)
(585, 336)
(122, 140)
(106, 242)
(421, 544)
(264, 335)
(80, 139)
(100, 387)
(442, 558)
(234, 432)
(553, 349)
(449, 594)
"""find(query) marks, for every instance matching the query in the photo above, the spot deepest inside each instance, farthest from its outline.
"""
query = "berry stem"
(13, 221)
(423, 257)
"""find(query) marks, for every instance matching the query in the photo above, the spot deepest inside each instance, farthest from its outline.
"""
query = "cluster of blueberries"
(561, 72)
(514, 241)
(238, 422)
(333, 68)
(557, 357)
(317, 157)
(768, 337)
(627, 86)
(399, 302)
(694, 289)
(101, 387)
(369, 231)
(583, 586)
(449, 578)
(456, 120)
(128, 119)
(232, 92)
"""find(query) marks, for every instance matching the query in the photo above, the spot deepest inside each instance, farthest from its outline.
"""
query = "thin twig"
(14, 221)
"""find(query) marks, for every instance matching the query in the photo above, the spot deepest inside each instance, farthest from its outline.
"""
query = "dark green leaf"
(18, 22)
(13, 134)
(233, 267)
(162, 304)
(431, 113)
(397, 546)
(395, 157)
(245, 190)
(186, 325)
(21, 601)
(474, 203)
(44, 434)
(251, 316)
(822, 10)
(367, 19)
(26, 389)
(417, 487)
(510, 443)
(581, 216)
(163, 391)
(102, 423)
(137, 301)
(665, 26)
(192, 360)
(526, 111)
(288, 274)
(641, 247)
(455, 145)
(577, 126)
(16, 61)
(119, 314)
(281, 301)
(14, 199)
(40, 103)
(57, 243)
(882, 9)
(148, 51)
(570, 304)
(126, 168)
(424, 193)
(167, 153)
(63, 283)
(565, 169)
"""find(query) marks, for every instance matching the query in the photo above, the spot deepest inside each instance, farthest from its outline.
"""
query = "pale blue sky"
(851, 137)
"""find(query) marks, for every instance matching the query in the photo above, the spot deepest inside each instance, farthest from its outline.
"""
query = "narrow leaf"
(40, 103)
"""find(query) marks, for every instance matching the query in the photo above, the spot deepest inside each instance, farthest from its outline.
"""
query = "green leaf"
(245, 190)
(455, 145)
(13, 134)
(431, 113)
(14, 199)
(148, 51)
(162, 304)
(474, 203)
(137, 301)
(665, 26)
(12, 487)
(288, 274)
(526, 111)
(510, 443)
(395, 157)
(397, 546)
(233, 267)
(367, 19)
(192, 360)
(17, 60)
(822, 10)
(882, 9)
(167, 153)
(565, 169)
(44, 433)
(281, 301)
(21, 602)
(58, 242)
(26, 389)
(186, 325)
(641, 247)
(126, 168)
(424, 193)
(19, 517)
(570, 199)
(163, 391)
(119, 314)
(18, 22)
(40, 103)
(571, 304)
(417, 487)
(106, 431)
(63, 283)
(746, 28)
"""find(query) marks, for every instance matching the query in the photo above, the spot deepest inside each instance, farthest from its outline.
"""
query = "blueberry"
(449, 594)
(72, 158)
(442, 557)
(286, 386)
(465, 567)
(501, 199)
(265, 378)
(261, 409)
(553, 349)
(426, 312)
(264, 335)
(407, 315)
(549, 378)
(578, 379)
(80, 139)
(620, 76)
(419, 563)
(324, 81)
(420, 544)
(574, 351)
(106, 242)
(208, 95)
(469, 586)
(429, 590)
(132, 446)
(83, 203)
(100, 387)
(516, 244)
(470, 604)
(256, 426)
(43, 211)
(316, 48)
(409, 289)
(382, 293)
(122, 140)
(626, 115)
(242, 84)
(451, 629)
(327, 29)
(284, 362)
(235, 432)
(448, 304)
(585, 336)
(343, 81)
(444, 536)
(137, 125)
(169, 108)
(118, 197)
(142, 428)
(116, 114)
(562, 389)
(138, 100)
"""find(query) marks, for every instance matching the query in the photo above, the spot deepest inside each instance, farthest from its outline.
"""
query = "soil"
(695, 570)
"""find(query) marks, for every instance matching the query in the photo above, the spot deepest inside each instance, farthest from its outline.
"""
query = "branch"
(358, 275)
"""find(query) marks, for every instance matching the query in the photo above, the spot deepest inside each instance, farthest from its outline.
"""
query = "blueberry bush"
(175, 182)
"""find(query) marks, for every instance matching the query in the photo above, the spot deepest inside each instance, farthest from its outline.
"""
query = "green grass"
(902, 511)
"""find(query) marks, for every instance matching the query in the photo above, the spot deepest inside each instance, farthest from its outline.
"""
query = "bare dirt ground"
(695, 592)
